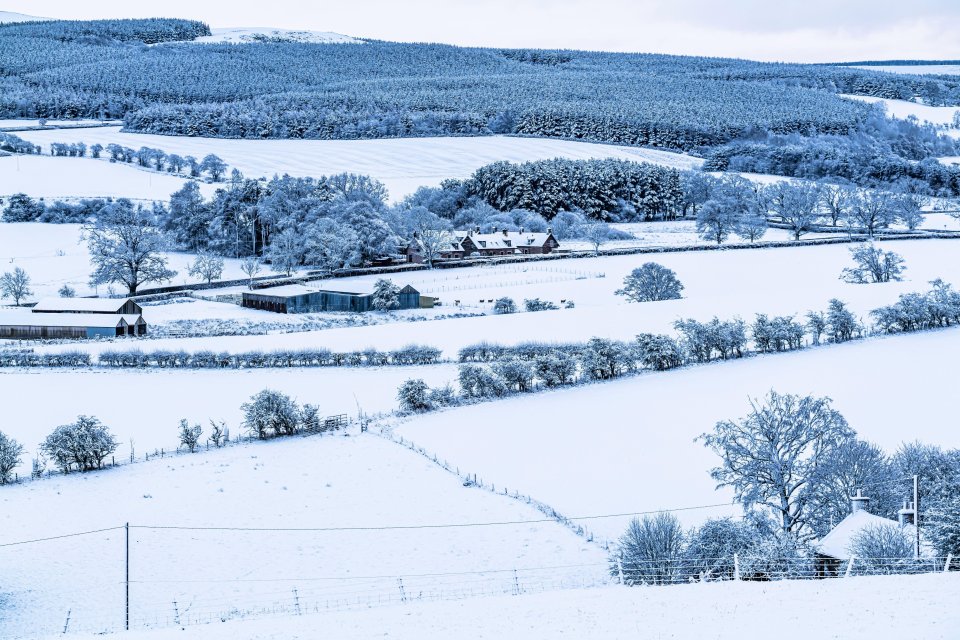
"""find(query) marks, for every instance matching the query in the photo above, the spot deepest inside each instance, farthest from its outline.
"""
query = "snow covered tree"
(872, 211)
(126, 248)
(777, 455)
(873, 264)
(836, 200)
(659, 352)
(331, 245)
(650, 551)
(189, 436)
(596, 233)
(213, 165)
(250, 267)
(842, 325)
(430, 233)
(796, 205)
(207, 267)
(96, 150)
(16, 285)
(480, 382)
(83, 445)
(386, 295)
(942, 526)
(285, 251)
(716, 220)
(189, 220)
(651, 282)
(414, 396)
(517, 374)
(556, 369)
(22, 208)
(219, 433)
(881, 548)
(711, 547)
(66, 291)
(270, 414)
(504, 305)
(731, 200)
(751, 226)
(816, 325)
(10, 453)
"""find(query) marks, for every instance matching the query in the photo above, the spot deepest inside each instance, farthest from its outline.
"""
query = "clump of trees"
(873, 264)
(938, 307)
(271, 414)
(11, 452)
(189, 435)
(504, 305)
(651, 282)
(82, 445)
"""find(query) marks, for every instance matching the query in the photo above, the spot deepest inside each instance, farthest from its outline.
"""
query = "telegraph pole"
(126, 528)
(916, 515)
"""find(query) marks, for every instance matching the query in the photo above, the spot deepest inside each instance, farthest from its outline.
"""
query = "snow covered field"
(916, 69)
(741, 283)
(403, 164)
(62, 178)
(865, 608)
(244, 35)
(357, 481)
(147, 406)
(17, 124)
(54, 255)
(903, 109)
(628, 446)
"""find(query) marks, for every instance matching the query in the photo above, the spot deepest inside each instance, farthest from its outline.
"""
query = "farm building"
(298, 298)
(22, 325)
(472, 244)
(115, 306)
(836, 546)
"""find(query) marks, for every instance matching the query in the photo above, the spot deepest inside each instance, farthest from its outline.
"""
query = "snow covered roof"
(504, 239)
(288, 290)
(97, 320)
(91, 305)
(837, 543)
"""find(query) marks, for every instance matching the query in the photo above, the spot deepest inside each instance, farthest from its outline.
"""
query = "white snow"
(916, 69)
(147, 406)
(859, 608)
(9, 17)
(62, 178)
(55, 254)
(242, 35)
(628, 446)
(402, 164)
(16, 124)
(903, 109)
(358, 480)
(723, 283)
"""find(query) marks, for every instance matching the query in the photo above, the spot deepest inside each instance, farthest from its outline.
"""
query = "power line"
(449, 525)
(66, 535)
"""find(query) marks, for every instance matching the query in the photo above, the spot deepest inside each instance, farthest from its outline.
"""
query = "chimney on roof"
(908, 514)
(521, 230)
(476, 229)
(859, 502)
(504, 232)
(550, 230)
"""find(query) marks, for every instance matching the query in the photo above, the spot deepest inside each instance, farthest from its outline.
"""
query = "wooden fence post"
(736, 566)
(849, 566)
(946, 565)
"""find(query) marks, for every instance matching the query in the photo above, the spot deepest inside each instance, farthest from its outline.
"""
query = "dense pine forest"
(142, 71)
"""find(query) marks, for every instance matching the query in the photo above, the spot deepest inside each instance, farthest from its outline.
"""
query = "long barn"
(23, 325)
(298, 298)
(114, 306)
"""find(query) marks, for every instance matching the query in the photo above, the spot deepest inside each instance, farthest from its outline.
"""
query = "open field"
(58, 178)
(903, 109)
(146, 406)
(402, 164)
(628, 446)
(722, 283)
(916, 69)
(355, 481)
(55, 254)
(855, 609)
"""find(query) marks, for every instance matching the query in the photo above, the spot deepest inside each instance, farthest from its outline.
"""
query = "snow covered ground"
(903, 109)
(916, 69)
(9, 16)
(741, 283)
(402, 164)
(628, 446)
(359, 481)
(867, 608)
(244, 35)
(59, 178)
(147, 406)
(17, 124)
(54, 255)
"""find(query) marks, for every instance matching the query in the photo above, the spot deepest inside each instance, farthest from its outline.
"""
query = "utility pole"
(126, 528)
(916, 515)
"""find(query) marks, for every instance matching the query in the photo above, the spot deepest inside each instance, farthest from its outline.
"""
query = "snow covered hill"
(9, 16)
(853, 609)
(242, 35)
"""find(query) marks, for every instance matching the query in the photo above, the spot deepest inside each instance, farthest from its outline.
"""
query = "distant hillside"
(8, 17)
